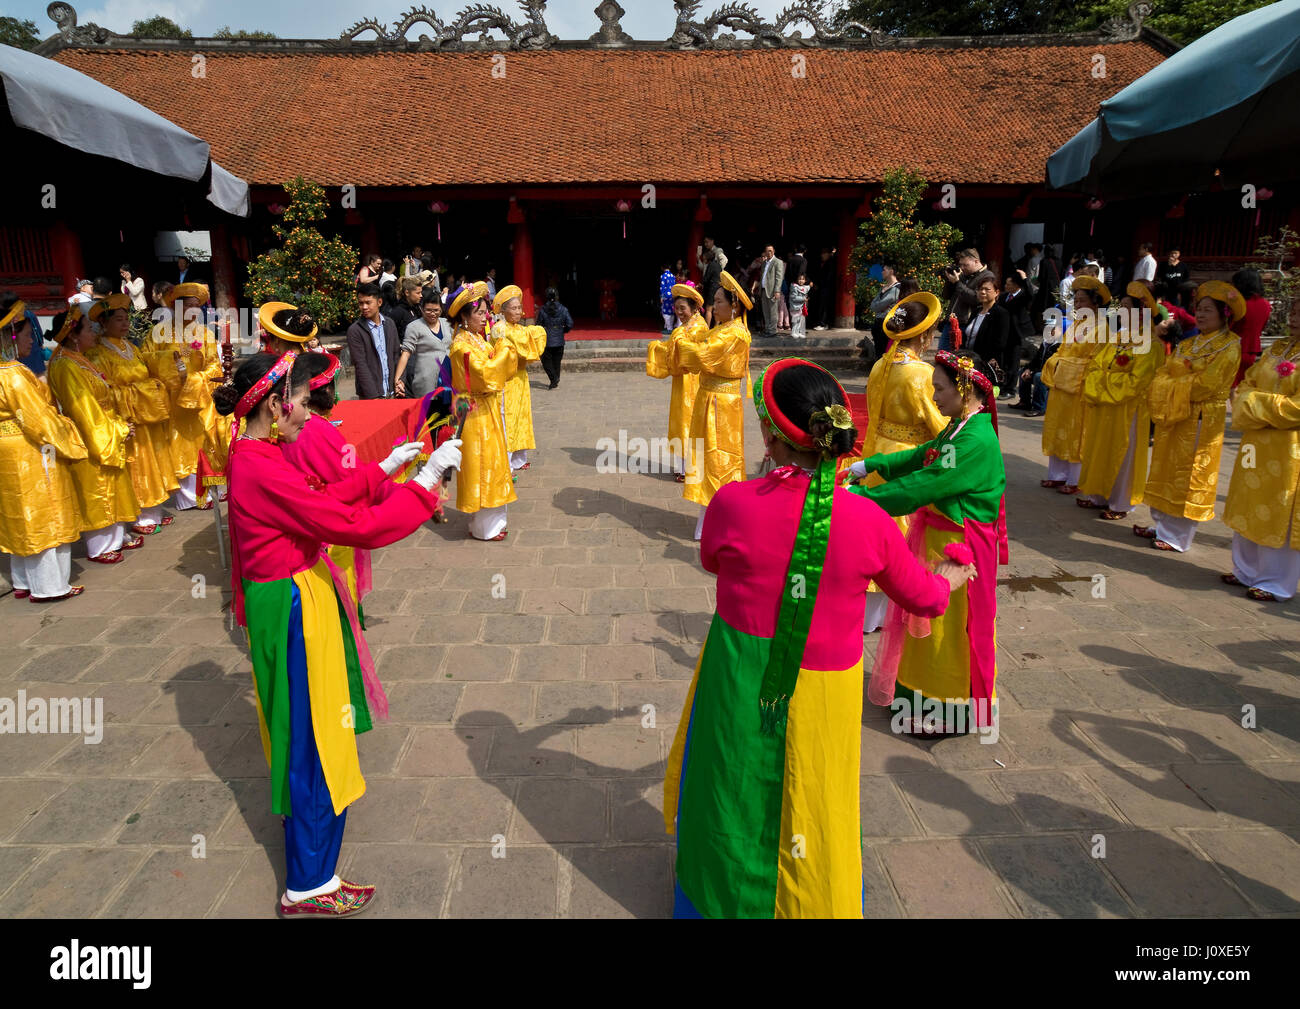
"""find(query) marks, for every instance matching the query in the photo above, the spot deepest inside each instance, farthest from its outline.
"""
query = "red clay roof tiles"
(988, 115)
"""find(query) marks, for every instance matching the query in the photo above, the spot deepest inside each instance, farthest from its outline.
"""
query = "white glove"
(446, 457)
(858, 469)
(401, 457)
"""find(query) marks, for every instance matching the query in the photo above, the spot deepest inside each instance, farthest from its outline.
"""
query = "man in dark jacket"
(961, 284)
(710, 282)
(1016, 300)
(372, 346)
(556, 320)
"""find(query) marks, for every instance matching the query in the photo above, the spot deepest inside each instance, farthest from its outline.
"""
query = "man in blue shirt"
(372, 345)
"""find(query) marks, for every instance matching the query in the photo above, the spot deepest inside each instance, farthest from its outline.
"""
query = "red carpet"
(618, 329)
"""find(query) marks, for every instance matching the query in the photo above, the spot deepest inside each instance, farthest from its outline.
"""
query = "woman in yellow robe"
(103, 484)
(144, 401)
(1189, 403)
(688, 305)
(39, 519)
(1261, 509)
(900, 407)
(721, 360)
(479, 373)
(1063, 374)
(517, 399)
(1116, 421)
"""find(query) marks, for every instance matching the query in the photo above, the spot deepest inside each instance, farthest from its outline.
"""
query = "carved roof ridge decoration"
(532, 34)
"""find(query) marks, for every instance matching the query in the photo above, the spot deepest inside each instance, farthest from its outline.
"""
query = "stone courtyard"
(520, 675)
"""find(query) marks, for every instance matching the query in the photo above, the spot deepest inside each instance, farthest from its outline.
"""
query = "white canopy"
(82, 113)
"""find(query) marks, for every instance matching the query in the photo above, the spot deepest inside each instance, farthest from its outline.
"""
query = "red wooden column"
(844, 304)
(523, 259)
(997, 243)
(702, 217)
(223, 269)
(65, 253)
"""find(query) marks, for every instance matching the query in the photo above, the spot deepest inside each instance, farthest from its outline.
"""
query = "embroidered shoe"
(347, 900)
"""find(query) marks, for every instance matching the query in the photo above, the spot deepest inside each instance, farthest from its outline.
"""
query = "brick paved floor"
(517, 720)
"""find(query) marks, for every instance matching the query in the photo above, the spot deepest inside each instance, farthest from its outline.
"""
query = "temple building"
(575, 162)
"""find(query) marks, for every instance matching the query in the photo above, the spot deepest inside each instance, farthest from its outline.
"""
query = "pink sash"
(374, 689)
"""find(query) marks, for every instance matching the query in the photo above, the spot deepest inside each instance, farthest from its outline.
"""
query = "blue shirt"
(381, 348)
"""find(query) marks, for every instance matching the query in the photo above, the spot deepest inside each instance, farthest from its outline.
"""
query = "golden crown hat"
(1139, 291)
(504, 295)
(73, 314)
(188, 290)
(110, 304)
(1226, 293)
(266, 316)
(14, 314)
(476, 291)
(933, 309)
(689, 292)
(1092, 284)
(732, 285)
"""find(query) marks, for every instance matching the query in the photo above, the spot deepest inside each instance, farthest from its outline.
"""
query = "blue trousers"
(313, 834)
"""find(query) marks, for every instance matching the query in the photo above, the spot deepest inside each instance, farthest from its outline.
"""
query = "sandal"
(1261, 595)
(1070, 488)
(499, 536)
(167, 520)
(680, 478)
(1051, 483)
(1145, 532)
(134, 544)
(1231, 579)
(21, 593)
(76, 590)
(109, 557)
(1084, 502)
(145, 530)
(1162, 545)
(525, 466)
(1111, 516)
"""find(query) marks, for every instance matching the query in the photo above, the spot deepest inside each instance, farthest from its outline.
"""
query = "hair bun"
(225, 398)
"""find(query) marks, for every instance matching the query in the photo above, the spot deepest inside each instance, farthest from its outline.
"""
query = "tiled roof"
(969, 115)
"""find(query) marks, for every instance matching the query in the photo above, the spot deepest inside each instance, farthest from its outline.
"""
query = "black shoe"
(1034, 413)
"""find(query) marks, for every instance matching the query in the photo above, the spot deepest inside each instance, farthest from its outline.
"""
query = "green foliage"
(1281, 285)
(308, 270)
(242, 33)
(1183, 21)
(159, 28)
(892, 234)
(21, 34)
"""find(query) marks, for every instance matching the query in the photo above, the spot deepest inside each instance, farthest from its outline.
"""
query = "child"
(799, 307)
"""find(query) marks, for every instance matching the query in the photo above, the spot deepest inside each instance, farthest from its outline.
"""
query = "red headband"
(965, 369)
(259, 390)
(790, 431)
(327, 376)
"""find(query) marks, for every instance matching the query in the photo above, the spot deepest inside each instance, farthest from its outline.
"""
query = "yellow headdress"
(732, 285)
(188, 290)
(504, 295)
(110, 304)
(14, 314)
(1092, 284)
(1225, 293)
(933, 309)
(689, 292)
(266, 318)
(1139, 291)
(476, 291)
(70, 320)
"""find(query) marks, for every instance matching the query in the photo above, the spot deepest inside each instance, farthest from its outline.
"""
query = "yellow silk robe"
(187, 431)
(1188, 399)
(1266, 476)
(681, 403)
(1115, 386)
(104, 490)
(482, 370)
(144, 401)
(900, 413)
(718, 420)
(38, 506)
(1063, 373)
(528, 342)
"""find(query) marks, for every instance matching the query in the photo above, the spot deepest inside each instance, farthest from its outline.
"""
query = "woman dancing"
(687, 305)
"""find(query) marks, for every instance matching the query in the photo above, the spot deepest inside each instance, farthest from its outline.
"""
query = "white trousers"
(699, 525)
(1175, 530)
(487, 523)
(1121, 494)
(184, 498)
(44, 575)
(329, 886)
(518, 458)
(104, 541)
(1273, 569)
(874, 619)
(1059, 469)
(150, 516)
(669, 319)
